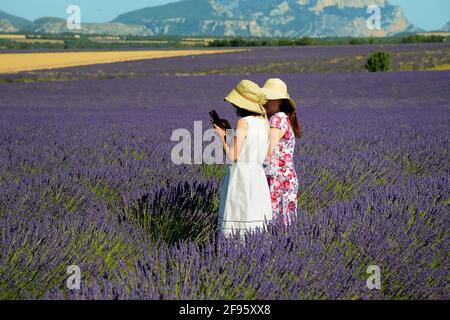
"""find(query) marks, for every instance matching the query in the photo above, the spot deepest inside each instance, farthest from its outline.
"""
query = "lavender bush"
(86, 179)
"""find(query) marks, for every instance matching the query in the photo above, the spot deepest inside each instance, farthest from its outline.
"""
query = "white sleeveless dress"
(245, 197)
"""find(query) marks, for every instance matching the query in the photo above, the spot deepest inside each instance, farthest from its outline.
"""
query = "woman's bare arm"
(239, 138)
(275, 137)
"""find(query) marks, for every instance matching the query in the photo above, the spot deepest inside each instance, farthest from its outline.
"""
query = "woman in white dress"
(245, 197)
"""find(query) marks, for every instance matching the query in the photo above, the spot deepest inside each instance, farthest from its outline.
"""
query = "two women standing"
(261, 183)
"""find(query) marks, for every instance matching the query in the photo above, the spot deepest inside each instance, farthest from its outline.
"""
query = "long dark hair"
(292, 115)
(244, 112)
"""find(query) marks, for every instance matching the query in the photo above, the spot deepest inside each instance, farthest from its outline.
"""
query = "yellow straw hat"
(275, 88)
(249, 96)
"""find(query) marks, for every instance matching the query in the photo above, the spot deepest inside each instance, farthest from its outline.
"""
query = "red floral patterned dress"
(280, 171)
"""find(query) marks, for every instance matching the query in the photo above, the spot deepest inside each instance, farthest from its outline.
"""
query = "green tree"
(355, 41)
(304, 41)
(378, 61)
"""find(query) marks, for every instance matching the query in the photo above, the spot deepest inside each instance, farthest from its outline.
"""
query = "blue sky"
(427, 14)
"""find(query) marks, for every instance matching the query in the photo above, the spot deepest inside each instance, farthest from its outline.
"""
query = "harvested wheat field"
(16, 62)
(12, 36)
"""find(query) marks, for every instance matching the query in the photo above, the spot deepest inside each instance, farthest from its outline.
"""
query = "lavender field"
(324, 59)
(86, 179)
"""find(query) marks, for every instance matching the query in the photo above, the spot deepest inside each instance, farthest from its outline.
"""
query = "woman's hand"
(239, 137)
(219, 131)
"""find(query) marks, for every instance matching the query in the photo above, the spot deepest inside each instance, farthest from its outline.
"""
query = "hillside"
(256, 18)
(290, 18)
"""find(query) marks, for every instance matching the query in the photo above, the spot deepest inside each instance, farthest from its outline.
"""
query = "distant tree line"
(308, 41)
(416, 38)
(9, 44)
(71, 41)
(84, 43)
(242, 42)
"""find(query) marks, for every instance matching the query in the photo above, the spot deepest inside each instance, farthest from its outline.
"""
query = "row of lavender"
(86, 179)
(253, 55)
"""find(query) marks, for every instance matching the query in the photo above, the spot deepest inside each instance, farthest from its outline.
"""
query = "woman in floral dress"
(279, 164)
